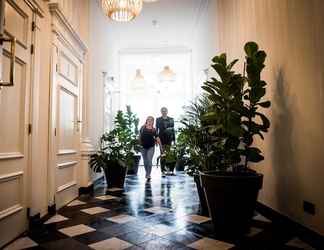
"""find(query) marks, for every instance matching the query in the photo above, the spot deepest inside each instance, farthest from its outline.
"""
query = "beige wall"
(291, 32)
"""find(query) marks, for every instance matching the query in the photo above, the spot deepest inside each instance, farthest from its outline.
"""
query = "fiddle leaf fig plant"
(234, 117)
(224, 117)
(253, 121)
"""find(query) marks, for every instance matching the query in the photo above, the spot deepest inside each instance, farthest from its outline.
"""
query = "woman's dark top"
(147, 137)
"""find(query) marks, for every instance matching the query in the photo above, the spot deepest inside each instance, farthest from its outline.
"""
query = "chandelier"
(122, 10)
(167, 75)
(150, 1)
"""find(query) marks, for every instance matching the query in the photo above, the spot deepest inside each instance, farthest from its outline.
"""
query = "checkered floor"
(156, 215)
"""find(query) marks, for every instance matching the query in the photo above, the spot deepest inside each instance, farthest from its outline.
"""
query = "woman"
(148, 139)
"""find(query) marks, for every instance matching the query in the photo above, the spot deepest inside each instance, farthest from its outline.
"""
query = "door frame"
(62, 33)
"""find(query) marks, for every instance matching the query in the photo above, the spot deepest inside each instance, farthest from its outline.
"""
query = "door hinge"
(54, 131)
(32, 49)
(33, 26)
(29, 128)
(56, 67)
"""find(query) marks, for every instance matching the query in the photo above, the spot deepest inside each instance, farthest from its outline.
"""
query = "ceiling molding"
(159, 50)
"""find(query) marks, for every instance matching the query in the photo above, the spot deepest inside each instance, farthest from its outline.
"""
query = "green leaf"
(254, 154)
(265, 120)
(266, 104)
(230, 66)
(251, 48)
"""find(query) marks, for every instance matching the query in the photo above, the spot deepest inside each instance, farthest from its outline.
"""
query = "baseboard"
(304, 233)
(86, 190)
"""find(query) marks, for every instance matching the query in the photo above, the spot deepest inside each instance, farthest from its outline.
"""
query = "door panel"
(14, 120)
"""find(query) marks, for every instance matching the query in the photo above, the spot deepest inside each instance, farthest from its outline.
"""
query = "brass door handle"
(12, 61)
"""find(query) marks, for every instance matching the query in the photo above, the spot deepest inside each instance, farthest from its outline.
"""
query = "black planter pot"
(180, 165)
(231, 199)
(134, 169)
(203, 203)
(115, 175)
(170, 166)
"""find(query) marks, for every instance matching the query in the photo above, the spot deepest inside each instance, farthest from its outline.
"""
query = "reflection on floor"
(161, 214)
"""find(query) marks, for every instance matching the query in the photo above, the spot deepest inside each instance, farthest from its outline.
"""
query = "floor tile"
(111, 244)
(106, 197)
(114, 189)
(157, 210)
(160, 230)
(21, 243)
(137, 237)
(162, 244)
(76, 230)
(123, 218)
(261, 218)
(184, 237)
(118, 229)
(56, 218)
(210, 244)
(69, 244)
(254, 231)
(295, 242)
(92, 237)
(95, 210)
(198, 219)
(76, 203)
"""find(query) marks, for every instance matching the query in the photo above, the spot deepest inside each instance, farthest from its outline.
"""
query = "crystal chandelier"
(122, 10)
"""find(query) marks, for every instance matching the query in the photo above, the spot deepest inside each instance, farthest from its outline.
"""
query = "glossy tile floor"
(161, 214)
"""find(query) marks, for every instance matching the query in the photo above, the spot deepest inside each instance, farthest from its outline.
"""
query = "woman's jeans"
(147, 154)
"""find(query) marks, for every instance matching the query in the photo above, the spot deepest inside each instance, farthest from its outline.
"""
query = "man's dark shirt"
(165, 129)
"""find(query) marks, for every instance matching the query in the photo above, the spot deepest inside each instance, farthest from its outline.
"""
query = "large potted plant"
(234, 119)
(116, 151)
(198, 143)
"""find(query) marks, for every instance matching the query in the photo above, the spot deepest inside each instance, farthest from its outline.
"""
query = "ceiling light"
(139, 81)
(167, 74)
(150, 1)
(122, 10)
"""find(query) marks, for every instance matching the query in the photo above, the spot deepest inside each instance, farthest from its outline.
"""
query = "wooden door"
(67, 123)
(14, 123)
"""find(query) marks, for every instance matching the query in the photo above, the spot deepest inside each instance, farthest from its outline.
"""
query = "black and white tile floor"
(156, 215)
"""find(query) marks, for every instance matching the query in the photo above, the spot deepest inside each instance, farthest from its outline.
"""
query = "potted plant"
(116, 150)
(169, 156)
(195, 136)
(182, 150)
(234, 119)
(132, 122)
(110, 158)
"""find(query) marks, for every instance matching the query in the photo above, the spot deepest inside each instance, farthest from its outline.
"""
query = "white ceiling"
(176, 24)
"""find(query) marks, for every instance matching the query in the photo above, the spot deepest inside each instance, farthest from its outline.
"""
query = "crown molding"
(65, 31)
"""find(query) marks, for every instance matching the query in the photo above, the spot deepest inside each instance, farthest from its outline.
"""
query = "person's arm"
(173, 131)
(158, 124)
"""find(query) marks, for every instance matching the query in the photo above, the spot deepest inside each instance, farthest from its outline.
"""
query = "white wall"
(291, 32)
(183, 24)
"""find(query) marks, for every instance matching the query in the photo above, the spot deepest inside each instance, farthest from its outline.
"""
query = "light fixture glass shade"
(150, 1)
(122, 10)
(139, 81)
(167, 75)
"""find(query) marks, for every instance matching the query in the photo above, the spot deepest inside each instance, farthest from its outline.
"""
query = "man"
(165, 129)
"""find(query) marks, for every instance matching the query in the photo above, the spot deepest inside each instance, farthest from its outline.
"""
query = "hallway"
(161, 214)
